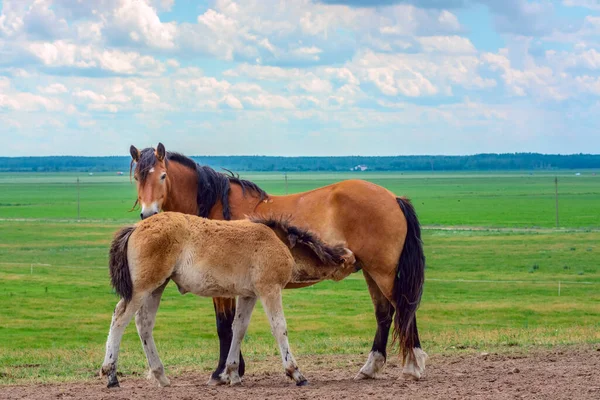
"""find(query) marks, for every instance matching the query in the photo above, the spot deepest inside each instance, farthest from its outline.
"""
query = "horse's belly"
(207, 282)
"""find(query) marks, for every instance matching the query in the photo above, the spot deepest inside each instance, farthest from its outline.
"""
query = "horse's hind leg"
(144, 321)
(121, 317)
(245, 305)
(274, 310)
(414, 362)
(384, 313)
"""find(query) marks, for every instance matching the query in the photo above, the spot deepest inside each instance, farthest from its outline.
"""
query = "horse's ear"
(135, 153)
(160, 152)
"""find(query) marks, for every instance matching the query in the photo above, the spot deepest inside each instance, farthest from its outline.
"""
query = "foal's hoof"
(303, 382)
(215, 382)
(361, 376)
(164, 382)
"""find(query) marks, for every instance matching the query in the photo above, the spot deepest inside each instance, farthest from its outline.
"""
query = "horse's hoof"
(303, 382)
(414, 376)
(112, 385)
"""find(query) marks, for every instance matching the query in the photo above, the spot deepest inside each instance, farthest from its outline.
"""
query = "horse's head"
(151, 178)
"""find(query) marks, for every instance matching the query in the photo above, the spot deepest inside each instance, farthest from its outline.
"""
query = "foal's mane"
(212, 185)
(329, 255)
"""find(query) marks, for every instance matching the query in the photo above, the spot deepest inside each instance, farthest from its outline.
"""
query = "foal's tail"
(120, 276)
(408, 284)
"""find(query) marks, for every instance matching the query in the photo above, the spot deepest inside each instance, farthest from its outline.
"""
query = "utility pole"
(556, 197)
(77, 198)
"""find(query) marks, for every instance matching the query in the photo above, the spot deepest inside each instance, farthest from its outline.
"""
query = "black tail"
(120, 277)
(408, 285)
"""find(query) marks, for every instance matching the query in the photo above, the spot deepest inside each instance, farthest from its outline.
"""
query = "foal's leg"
(121, 317)
(144, 321)
(384, 313)
(274, 310)
(245, 306)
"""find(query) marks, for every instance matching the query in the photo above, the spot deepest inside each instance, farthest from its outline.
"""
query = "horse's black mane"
(212, 185)
(329, 255)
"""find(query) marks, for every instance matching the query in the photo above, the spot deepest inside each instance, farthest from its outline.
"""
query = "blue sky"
(299, 77)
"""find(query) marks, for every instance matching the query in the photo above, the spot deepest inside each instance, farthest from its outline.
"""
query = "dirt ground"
(564, 373)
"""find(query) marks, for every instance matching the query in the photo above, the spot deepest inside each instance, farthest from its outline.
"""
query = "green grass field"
(486, 288)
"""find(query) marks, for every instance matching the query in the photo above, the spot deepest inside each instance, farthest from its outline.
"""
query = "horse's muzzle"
(144, 216)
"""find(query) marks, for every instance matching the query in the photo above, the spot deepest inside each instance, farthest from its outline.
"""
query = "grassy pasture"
(492, 200)
(486, 288)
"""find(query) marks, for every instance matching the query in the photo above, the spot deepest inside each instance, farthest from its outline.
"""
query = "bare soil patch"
(559, 373)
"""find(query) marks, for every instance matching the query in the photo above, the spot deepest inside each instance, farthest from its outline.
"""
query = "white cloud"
(591, 4)
(537, 80)
(447, 44)
(588, 84)
(582, 58)
(232, 101)
(55, 88)
(64, 54)
(314, 85)
(40, 21)
(172, 63)
(13, 100)
(416, 75)
(269, 101)
(311, 53)
(299, 63)
(117, 95)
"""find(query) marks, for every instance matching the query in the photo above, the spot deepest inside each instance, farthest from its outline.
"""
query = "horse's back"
(363, 215)
(348, 211)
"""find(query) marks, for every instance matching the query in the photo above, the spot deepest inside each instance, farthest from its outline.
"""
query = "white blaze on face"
(152, 208)
(149, 209)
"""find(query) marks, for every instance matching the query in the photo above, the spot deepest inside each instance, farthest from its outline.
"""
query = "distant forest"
(478, 162)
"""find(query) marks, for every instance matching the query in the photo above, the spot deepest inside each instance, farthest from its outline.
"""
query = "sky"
(299, 77)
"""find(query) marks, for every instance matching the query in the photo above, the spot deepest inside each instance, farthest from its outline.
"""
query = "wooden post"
(556, 197)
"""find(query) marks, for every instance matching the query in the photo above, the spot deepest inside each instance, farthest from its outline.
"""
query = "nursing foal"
(214, 258)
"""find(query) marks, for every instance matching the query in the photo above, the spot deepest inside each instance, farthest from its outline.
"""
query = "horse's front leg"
(240, 325)
(224, 313)
(120, 319)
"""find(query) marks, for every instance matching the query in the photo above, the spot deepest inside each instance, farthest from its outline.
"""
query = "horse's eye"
(163, 176)
(135, 177)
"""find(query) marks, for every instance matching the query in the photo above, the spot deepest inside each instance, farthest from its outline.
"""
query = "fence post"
(286, 182)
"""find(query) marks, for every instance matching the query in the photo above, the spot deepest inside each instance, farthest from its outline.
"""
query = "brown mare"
(381, 229)
(214, 258)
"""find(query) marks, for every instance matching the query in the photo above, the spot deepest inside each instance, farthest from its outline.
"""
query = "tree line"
(478, 162)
